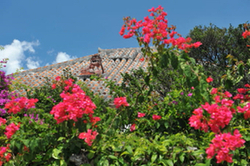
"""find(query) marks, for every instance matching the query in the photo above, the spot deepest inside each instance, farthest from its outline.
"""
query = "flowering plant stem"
(113, 121)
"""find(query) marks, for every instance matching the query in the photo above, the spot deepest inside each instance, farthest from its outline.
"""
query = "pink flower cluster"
(222, 144)
(3, 156)
(132, 127)
(220, 115)
(156, 29)
(246, 33)
(245, 110)
(89, 136)
(11, 129)
(242, 94)
(156, 117)
(209, 79)
(140, 115)
(17, 104)
(120, 101)
(2, 121)
(75, 104)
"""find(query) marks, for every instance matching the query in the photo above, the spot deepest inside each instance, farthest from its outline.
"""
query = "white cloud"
(15, 53)
(50, 52)
(63, 56)
(32, 64)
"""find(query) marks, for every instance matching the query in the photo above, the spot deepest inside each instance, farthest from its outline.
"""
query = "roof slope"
(114, 61)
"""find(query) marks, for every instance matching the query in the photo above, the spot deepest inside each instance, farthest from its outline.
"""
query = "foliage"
(164, 115)
(47, 96)
(221, 51)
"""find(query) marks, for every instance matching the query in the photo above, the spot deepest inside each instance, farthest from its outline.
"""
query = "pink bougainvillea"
(120, 101)
(246, 33)
(209, 79)
(156, 117)
(11, 129)
(222, 144)
(88, 136)
(220, 114)
(132, 127)
(140, 115)
(155, 29)
(74, 104)
(2, 121)
(4, 155)
(17, 104)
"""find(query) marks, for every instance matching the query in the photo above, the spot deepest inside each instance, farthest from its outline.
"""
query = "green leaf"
(241, 69)
(123, 153)
(169, 162)
(61, 138)
(200, 164)
(157, 125)
(182, 157)
(112, 157)
(153, 158)
(166, 125)
(129, 149)
(63, 163)
(91, 154)
(55, 153)
(106, 162)
(121, 160)
(208, 161)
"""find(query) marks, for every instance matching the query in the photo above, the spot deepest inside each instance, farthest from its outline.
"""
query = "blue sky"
(42, 32)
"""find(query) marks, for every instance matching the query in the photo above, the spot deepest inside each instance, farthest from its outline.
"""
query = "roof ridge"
(102, 53)
(115, 62)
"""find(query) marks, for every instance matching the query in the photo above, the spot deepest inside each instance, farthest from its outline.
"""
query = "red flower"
(246, 33)
(89, 136)
(58, 78)
(132, 128)
(247, 85)
(222, 144)
(2, 121)
(214, 91)
(16, 105)
(11, 129)
(197, 44)
(156, 117)
(7, 157)
(140, 115)
(53, 86)
(156, 30)
(94, 120)
(122, 30)
(119, 101)
(245, 110)
(228, 94)
(242, 90)
(209, 79)
(75, 104)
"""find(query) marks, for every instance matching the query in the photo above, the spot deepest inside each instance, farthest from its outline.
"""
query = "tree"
(217, 44)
